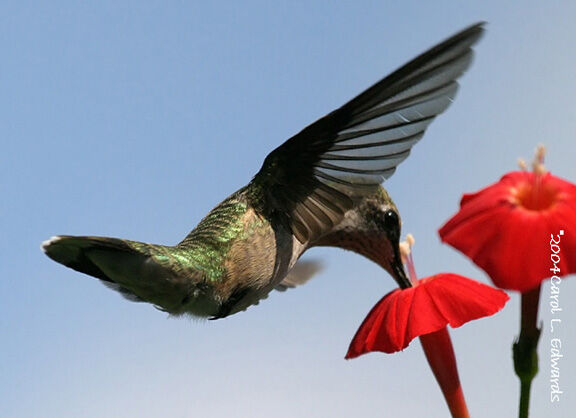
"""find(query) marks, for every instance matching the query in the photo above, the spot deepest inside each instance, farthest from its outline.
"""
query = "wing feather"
(314, 177)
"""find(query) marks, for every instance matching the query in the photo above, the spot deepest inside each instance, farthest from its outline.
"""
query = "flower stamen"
(533, 194)
(521, 164)
(406, 254)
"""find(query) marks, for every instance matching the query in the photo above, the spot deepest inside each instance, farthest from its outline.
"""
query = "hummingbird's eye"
(392, 225)
(391, 218)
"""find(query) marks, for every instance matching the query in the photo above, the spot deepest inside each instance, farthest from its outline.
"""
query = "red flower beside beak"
(433, 303)
(506, 229)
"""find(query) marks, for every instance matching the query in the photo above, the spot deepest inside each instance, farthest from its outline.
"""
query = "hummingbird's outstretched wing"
(350, 151)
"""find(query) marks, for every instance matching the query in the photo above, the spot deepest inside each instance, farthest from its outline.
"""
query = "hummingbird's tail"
(134, 269)
(76, 252)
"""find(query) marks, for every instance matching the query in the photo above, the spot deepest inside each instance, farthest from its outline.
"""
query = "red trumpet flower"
(424, 311)
(508, 229)
(521, 231)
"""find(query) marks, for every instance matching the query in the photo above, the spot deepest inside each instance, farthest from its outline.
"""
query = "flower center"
(536, 196)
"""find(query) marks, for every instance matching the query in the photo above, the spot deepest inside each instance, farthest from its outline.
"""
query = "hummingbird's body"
(319, 188)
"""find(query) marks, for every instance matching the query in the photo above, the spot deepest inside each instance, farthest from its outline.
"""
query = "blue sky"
(133, 119)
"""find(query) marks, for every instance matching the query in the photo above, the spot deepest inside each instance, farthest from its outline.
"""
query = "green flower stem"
(525, 348)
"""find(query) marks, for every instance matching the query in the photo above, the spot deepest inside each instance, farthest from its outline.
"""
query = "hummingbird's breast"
(241, 254)
(251, 258)
(256, 262)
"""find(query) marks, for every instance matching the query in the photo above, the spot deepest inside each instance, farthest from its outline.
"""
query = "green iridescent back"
(208, 244)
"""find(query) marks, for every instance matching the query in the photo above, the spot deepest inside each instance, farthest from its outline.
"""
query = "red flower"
(424, 310)
(433, 303)
(506, 229)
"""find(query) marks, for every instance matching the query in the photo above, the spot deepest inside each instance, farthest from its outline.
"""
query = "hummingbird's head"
(385, 220)
(372, 229)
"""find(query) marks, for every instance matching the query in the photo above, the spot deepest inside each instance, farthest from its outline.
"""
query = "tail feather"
(117, 262)
(139, 271)
(73, 252)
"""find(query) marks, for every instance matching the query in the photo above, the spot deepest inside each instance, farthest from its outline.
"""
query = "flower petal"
(435, 302)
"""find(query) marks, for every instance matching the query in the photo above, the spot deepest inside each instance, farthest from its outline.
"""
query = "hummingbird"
(322, 187)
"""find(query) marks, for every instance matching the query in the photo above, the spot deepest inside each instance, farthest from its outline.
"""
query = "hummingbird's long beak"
(398, 272)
